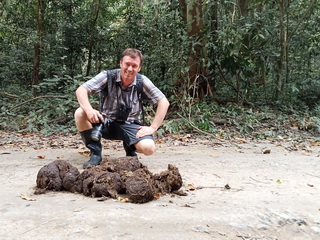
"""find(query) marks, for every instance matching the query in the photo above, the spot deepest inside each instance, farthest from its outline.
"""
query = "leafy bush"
(49, 110)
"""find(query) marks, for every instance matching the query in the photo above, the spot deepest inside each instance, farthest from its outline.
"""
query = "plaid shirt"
(125, 95)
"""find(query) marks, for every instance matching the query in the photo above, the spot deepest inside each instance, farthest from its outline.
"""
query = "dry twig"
(36, 98)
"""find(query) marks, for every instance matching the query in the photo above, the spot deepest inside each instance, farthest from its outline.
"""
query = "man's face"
(129, 69)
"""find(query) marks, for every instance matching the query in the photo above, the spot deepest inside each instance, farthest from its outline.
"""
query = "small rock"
(201, 228)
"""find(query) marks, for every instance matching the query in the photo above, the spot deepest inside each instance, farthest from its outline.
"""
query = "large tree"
(40, 11)
(198, 75)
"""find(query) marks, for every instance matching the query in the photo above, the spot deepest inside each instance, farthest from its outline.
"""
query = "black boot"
(95, 149)
(130, 152)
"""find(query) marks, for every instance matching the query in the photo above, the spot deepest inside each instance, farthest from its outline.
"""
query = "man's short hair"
(132, 52)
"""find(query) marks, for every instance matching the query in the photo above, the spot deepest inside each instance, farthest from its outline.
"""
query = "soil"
(234, 189)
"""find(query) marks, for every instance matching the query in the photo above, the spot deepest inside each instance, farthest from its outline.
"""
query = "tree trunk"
(70, 60)
(213, 28)
(37, 45)
(92, 25)
(283, 49)
(243, 6)
(192, 12)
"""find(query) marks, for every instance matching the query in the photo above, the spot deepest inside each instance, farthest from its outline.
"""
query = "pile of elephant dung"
(124, 176)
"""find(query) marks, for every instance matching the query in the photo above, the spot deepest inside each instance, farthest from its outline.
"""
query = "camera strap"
(112, 77)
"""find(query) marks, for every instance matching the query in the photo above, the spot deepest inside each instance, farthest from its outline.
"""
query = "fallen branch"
(311, 175)
(197, 129)
(36, 98)
(258, 180)
(8, 95)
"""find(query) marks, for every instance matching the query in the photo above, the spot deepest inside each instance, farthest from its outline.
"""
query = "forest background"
(230, 67)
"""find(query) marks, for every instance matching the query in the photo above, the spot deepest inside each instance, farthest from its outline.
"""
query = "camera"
(123, 113)
(96, 133)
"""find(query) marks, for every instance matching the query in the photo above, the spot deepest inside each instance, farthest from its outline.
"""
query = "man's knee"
(79, 114)
(146, 146)
(82, 122)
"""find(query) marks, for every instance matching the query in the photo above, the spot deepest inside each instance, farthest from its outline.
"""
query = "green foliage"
(240, 53)
(226, 121)
(50, 111)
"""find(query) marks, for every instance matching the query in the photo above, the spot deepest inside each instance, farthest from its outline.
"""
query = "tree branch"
(233, 87)
(36, 98)
(301, 19)
(8, 95)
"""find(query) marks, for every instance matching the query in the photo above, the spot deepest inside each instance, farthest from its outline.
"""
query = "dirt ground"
(239, 189)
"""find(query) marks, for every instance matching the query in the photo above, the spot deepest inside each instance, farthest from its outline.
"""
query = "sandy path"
(271, 196)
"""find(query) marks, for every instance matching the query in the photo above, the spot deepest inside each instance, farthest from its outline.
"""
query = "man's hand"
(95, 116)
(145, 131)
(162, 109)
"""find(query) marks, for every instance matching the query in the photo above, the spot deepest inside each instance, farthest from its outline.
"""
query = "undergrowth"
(231, 120)
(53, 114)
